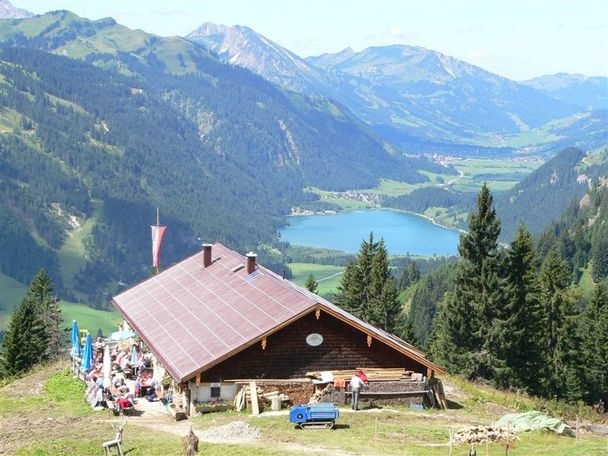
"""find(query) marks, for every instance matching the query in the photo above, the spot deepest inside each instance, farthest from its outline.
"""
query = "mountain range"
(417, 98)
(588, 93)
(92, 144)
(102, 124)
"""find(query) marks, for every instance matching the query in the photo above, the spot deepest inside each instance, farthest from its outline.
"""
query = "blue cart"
(314, 416)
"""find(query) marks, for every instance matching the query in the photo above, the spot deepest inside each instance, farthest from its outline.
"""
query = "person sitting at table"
(152, 397)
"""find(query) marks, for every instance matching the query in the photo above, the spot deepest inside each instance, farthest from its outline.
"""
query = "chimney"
(251, 262)
(207, 255)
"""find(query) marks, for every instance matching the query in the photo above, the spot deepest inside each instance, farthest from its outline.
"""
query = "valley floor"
(44, 413)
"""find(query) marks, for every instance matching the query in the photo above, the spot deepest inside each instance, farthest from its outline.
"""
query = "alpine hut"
(218, 319)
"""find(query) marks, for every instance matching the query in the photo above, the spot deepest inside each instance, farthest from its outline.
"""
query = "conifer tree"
(465, 337)
(429, 292)
(34, 331)
(384, 298)
(599, 254)
(311, 284)
(405, 329)
(24, 343)
(595, 346)
(522, 318)
(353, 291)
(367, 288)
(560, 342)
(41, 290)
(410, 275)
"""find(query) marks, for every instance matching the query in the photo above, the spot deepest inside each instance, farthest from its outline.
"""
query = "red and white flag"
(157, 239)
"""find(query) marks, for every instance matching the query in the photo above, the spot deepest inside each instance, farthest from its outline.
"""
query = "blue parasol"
(122, 335)
(76, 350)
(87, 354)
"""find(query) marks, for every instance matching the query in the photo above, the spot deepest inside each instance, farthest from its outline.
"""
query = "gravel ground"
(236, 430)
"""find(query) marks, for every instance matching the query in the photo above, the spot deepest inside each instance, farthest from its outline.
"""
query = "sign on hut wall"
(314, 339)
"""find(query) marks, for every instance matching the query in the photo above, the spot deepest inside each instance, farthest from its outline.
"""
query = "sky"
(519, 39)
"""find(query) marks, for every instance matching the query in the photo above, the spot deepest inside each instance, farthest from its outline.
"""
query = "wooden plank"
(255, 407)
(442, 399)
(388, 393)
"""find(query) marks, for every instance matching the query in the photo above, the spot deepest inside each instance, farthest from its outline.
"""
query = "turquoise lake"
(403, 233)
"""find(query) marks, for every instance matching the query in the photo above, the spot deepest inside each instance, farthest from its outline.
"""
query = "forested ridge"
(542, 196)
(532, 315)
(224, 158)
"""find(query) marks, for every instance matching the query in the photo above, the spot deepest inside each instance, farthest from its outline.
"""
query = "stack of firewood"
(372, 373)
(482, 434)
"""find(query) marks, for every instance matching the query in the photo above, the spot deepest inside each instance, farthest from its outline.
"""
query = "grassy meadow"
(87, 317)
(500, 174)
(44, 414)
(328, 276)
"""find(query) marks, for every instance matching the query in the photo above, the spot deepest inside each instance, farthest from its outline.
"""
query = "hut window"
(215, 390)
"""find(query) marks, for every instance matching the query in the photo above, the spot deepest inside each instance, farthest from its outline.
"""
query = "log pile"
(377, 374)
(477, 435)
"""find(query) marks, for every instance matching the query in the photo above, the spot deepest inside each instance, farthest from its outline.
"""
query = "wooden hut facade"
(218, 316)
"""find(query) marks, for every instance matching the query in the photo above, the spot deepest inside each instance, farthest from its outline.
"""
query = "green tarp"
(530, 421)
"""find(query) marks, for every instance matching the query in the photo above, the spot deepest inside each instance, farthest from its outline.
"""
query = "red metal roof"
(191, 316)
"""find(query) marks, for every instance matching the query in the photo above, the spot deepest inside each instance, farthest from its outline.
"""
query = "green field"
(44, 414)
(500, 174)
(72, 255)
(328, 276)
(11, 294)
(340, 199)
(87, 317)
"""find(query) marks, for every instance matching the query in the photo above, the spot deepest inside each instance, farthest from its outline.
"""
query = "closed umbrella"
(87, 354)
(107, 368)
(76, 350)
(133, 355)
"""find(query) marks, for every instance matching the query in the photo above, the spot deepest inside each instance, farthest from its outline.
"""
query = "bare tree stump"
(190, 444)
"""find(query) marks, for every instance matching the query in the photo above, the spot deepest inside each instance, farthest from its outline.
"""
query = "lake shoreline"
(424, 216)
(425, 237)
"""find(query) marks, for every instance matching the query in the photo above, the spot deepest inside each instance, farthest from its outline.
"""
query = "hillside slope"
(542, 196)
(68, 426)
(135, 123)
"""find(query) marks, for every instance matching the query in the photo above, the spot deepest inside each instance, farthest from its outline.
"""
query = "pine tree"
(384, 298)
(24, 343)
(311, 284)
(560, 342)
(594, 332)
(368, 289)
(599, 254)
(410, 275)
(466, 334)
(520, 345)
(353, 291)
(429, 292)
(41, 291)
(405, 329)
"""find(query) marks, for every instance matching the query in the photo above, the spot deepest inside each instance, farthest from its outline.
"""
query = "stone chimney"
(251, 257)
(207, 255)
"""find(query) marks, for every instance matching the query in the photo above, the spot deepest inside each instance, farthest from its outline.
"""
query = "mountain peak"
(8, 11)
(242, 46)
